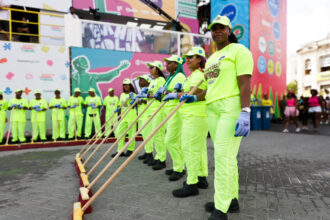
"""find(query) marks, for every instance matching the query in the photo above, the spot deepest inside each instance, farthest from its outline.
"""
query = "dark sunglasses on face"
(189, 57)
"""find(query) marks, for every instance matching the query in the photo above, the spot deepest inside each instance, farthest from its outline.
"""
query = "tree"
(292, 86)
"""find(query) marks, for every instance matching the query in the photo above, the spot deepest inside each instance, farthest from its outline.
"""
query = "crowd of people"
(315, 109)
(217, 100)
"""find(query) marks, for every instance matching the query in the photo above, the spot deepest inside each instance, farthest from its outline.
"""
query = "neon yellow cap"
(174, 58)
(157, 64)
(224, 20)
(195, 51)
(145, 77)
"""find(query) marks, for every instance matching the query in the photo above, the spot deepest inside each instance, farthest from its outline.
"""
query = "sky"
(308, 20)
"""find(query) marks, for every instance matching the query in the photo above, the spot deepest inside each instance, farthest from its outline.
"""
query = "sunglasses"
(189, 57)
(151, 67)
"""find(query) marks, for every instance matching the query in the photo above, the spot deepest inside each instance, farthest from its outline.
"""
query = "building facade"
(313, 67)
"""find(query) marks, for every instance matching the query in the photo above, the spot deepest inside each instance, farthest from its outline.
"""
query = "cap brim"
(214, 23)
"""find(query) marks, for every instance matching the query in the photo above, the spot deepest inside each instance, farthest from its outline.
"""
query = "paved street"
(282, 176)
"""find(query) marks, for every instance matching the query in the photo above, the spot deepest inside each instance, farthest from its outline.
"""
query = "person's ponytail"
(232, 38)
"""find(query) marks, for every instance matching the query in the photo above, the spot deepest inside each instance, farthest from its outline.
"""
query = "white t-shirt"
(4, 14)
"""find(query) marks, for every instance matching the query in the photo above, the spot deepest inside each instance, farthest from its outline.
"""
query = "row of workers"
(220, 105)
(39, 106)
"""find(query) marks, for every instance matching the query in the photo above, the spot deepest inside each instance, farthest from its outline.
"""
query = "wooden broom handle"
(130, 158)
(10, 124)
(100, 144)
(118, 139)
(123, 149)
(114, 124)
(34, 126)
(90, 140)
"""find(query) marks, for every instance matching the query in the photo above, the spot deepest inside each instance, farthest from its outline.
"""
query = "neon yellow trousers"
(60, 129)
(17, 131)
(159, 138)
(194, 146)
(2, 126)
(89, 123)
(79, 123)
(148, 148)
(173, 140)
(120, 130)
(222, 117)
(107, 125)
(39, 130)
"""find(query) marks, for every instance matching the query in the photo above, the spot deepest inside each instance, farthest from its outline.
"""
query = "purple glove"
(131, 95)
(133, 100)
(178, 87)
(171, 96)
(142, 95)
(188, 98)
(243, 125)
(159, 93)
(144, 90)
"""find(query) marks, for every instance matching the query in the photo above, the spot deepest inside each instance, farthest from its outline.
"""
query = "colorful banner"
(102, 69)
(59, 5)
(268, 46)
(191, 25)
(123, 38)
(31, 67)
(130, 8)
(238, 12)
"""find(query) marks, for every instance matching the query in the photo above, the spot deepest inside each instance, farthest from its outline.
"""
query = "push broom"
(81, 166)
(94, 136)
(84, 150)
(84, 177)
(86, 187)
(79, 208)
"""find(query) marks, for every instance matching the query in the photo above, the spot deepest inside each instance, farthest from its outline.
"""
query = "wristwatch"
(246, 109)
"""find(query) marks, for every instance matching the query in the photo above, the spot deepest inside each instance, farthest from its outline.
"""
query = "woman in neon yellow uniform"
(193, 127)
(228, 73)
(58, 106)
(159, 162)
(110, 102)
(173, 126)
(144, 82)
(124, 100)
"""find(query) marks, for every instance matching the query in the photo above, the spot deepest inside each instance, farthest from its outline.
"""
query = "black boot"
(202, 183)
(169, 172)
(186, 190)
(176, 176)
(152, 162)
(142, 157)
(128, 153)
(159, 165)
(218, 215)
(147, 158)
(233, 208)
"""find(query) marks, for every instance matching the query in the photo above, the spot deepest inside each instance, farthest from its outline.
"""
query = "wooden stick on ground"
(100, 144)
(123, 136)
(93, 138)
(123, 149)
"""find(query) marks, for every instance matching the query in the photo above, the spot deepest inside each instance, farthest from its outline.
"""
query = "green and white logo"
(239, 31)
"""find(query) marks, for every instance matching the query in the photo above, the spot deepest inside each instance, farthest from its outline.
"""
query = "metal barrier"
(12, 33)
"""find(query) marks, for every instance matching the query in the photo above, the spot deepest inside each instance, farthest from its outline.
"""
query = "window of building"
(325, 63)
(308, 66)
